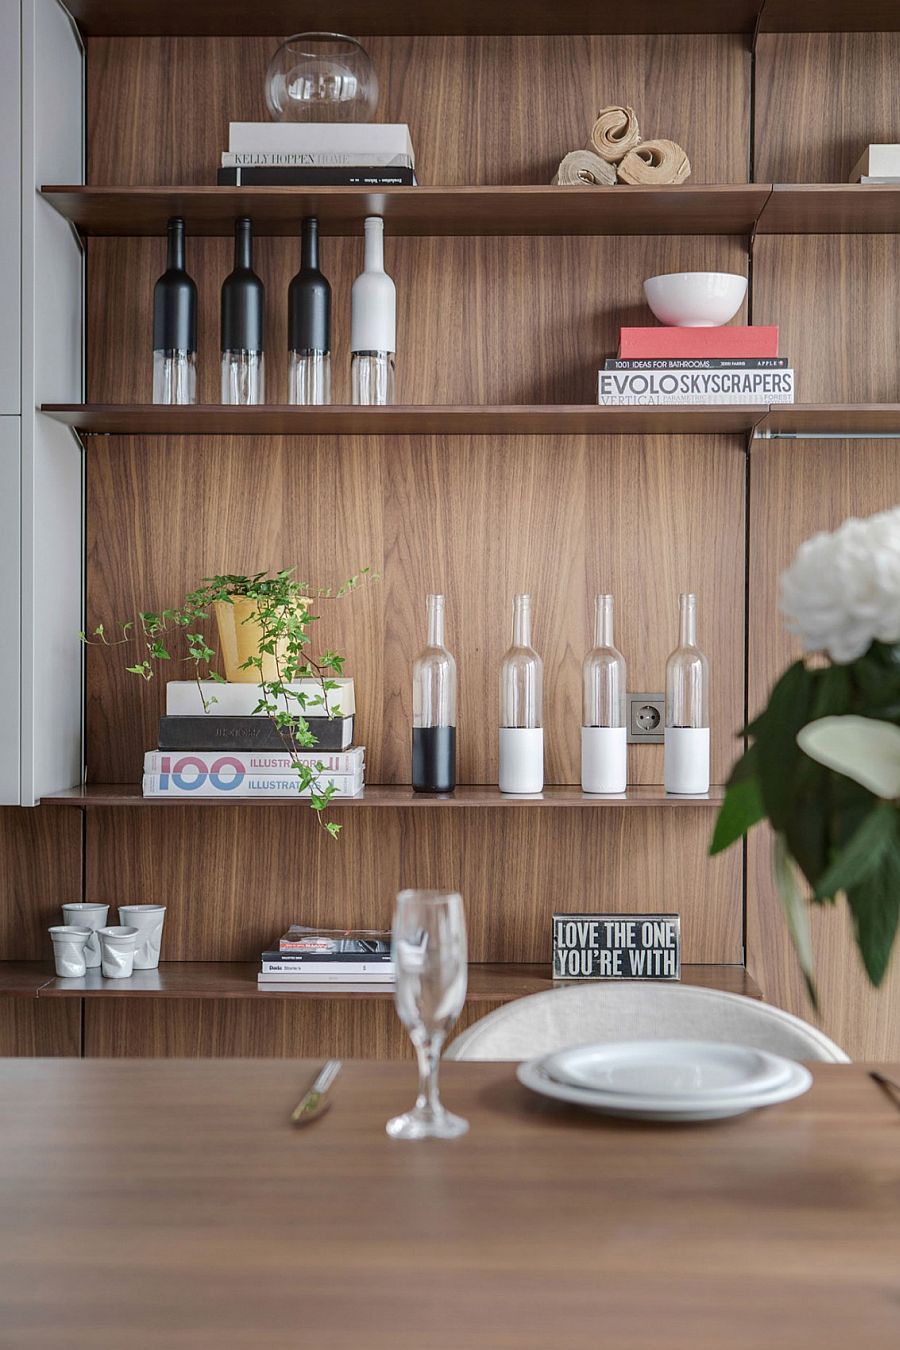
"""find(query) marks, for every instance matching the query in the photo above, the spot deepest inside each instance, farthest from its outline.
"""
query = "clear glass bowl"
(321, 77)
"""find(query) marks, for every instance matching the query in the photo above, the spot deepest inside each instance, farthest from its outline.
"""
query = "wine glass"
(430, 962)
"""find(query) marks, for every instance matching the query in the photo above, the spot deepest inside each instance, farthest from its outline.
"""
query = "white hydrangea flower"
(842, 591)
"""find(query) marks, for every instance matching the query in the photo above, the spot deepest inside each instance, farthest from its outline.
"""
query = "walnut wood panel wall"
(835, 299)
(282, 1028)
(29, 1027)
(478, 518)
(40, 869)
(482, 110)
(821, 98)
(797, 489)
(480, 320)
(229, 877)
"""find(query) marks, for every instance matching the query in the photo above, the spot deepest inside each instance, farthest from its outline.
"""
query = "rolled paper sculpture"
(583, 166)
(655, 162)
(614, 133)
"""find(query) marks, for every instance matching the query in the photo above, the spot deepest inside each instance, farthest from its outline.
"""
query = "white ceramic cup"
(69, 944)
(117, 951)
(87, 916)
(148, 920)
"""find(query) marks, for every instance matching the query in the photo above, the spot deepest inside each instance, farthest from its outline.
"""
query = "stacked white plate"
(666, 1080)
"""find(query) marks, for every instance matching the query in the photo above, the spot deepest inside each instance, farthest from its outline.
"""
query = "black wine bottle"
(175, 326)
(309, 324)
(243, 319)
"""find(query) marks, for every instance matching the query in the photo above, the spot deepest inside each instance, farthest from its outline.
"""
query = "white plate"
(692, 1070)
(532, 1076)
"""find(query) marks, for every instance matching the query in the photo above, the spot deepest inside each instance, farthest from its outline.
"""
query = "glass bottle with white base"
(604, 753)
(687, 708)
(521, 708)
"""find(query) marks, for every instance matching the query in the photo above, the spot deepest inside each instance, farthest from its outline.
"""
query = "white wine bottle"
(373, 324)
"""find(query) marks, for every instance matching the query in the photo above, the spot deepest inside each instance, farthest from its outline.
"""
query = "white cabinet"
(10, 208)
(41, 493)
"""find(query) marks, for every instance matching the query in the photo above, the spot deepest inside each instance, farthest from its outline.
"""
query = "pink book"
(729, 340)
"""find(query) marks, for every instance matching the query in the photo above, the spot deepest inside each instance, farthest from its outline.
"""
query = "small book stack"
(328, 960)
(878, 164)
(677, 366)
(214, 742)
(318, 154)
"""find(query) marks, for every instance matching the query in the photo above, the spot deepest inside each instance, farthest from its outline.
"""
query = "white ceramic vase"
(87, 916)
(117, 951)
(148, 920)
(69, 945)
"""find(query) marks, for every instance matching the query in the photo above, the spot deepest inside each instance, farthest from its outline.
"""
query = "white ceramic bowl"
(695, 299)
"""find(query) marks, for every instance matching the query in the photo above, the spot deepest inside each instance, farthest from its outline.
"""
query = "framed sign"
(616, 947)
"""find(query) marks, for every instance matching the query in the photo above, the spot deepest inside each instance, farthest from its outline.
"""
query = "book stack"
(878, 164)
(318, 154)
(215, 742)
(328, 960)
(677, 366)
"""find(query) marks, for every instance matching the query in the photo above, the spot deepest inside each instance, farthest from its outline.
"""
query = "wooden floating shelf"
(495, 982)
(779, 419)
(129, 794)
(104, 419)
(535, 209)
(135, 18)
(831, 208)
(727, 209)
(849, 419)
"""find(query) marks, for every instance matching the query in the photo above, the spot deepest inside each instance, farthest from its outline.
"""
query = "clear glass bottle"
(309, 324)
(243, 317)
(434, 709)
(604, 752)
(175, 326)
(521, 708)
(373, 335)
(687, 707)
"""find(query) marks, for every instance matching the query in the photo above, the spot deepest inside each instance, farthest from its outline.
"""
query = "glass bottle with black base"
(434, 709)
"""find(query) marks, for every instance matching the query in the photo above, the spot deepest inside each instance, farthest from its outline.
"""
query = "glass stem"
(428, 1054)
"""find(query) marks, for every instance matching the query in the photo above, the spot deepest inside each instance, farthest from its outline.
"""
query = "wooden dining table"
(171, 1204)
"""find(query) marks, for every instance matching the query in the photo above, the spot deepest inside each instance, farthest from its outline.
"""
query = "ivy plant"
(282, 611)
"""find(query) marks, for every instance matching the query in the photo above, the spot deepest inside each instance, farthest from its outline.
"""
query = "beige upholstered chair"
(577, 1014)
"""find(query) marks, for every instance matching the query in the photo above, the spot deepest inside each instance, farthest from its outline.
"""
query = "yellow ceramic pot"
(239, 637)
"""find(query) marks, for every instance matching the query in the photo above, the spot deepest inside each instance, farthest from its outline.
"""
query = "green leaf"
(875, 905)
(741, 810)
(776, 742)
(333, 829)
(863, 852)
(796, 911)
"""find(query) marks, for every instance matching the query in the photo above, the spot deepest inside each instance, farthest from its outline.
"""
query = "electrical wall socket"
(646, 719)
